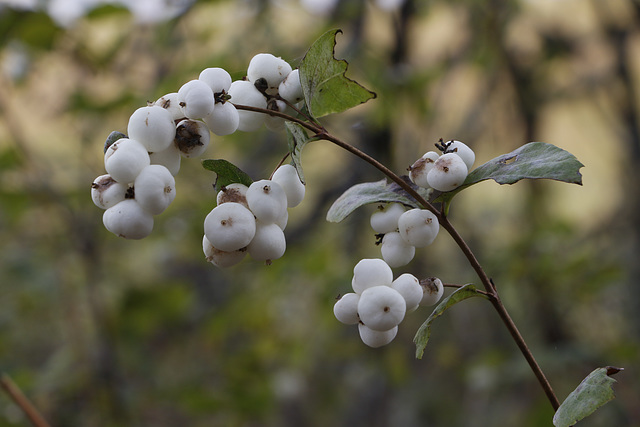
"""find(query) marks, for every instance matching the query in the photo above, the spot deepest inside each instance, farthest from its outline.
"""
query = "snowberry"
(106, 191)
(448, 172)
(381, 308)
(153, 127)
(196, 99)
(192, 138)
(230, 226)
(346, 309)
(218, 79)
(243, 92)
(418, 227)
(275, 123)
(169, 158)
(282, 220)
(371, 272)
(127, 219)
(395, 251)
(223, 120)
(376, 339)
(155, 189)
(170, 103)
(269, 242)
(433, 290)
(290, 88)
(220, 258)
(420, 169)
(287, 176)
(385, 219)
(267, 200)
(124, 160)
(269, 67)
(409, 287)
(235, 192)
(462, 150)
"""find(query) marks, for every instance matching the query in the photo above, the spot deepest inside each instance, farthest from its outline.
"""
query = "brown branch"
(21, 400)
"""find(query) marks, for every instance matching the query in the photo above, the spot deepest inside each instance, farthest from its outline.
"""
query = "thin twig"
(21, 400)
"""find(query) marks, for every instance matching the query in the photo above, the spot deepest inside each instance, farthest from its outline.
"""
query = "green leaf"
(535, 160)
(297, 139)
(593, 392)
(371, 192)
(226, 173)
(326, 88)
(461, 294)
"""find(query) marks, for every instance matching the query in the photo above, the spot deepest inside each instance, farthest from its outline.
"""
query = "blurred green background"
(100, 331)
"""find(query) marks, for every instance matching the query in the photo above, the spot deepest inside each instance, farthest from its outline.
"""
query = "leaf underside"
(371, 192)
(535, 160)
(226, 173)
(326, 88)
(423, 334)
(593, 392)
(297, 138)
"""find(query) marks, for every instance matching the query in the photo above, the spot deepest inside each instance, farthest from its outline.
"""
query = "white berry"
(287, 176)
(381, 308)
(418, 227)
(192, 138)
(409, 287)
(220, 258)
(376, 339)
(155, 189)
(268, 67)
(106, 191)
(346, 309)
(196, 99)
(433, 290)
(269, 242)
(153, 127)
(223, 120)
(267, 200)
(395, 251)
(290, 88)
(385, 219)
(127, 219)
(245, 93)
(462, 150)
(371, 272)
(235, 192)
(169, 158)
(124, 160)
(420, 168)
(448, 173)
(170, 103)
(230, 226)
(218, 79)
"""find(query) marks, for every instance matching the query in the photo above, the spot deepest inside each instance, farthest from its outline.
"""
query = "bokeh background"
(100, 331)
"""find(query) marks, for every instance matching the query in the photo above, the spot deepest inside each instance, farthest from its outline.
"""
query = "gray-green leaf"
(423, 334)
(226, 173)
(326, 88)
(371, 192)
(593, 392)
(297, 139)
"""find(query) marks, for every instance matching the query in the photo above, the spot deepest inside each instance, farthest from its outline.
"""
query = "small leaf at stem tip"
(372, 192)
(297, 138)
(326, 88)
(461, 294)
(593, 392)
(226, 173)
(535, 160)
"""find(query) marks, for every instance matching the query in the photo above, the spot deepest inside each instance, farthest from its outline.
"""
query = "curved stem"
(23, 403)
(486, 281)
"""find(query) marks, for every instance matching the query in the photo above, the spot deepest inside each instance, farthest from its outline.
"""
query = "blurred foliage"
(98, 331)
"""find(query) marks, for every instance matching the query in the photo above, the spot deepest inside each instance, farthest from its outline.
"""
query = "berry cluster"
(252, 219)
(141, 166)
(446, 171)
(378, 303)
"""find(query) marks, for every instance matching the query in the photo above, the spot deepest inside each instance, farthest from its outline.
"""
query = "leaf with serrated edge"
(461, 294)
(297, 139)
(326, 88)
(593, 392)
(371, 192)
(226, 173)
(535, 160)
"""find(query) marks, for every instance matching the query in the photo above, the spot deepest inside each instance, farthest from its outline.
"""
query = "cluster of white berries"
(252, 219)
(141, 166)
(446, 171)
(378, 303)
(402, 231)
